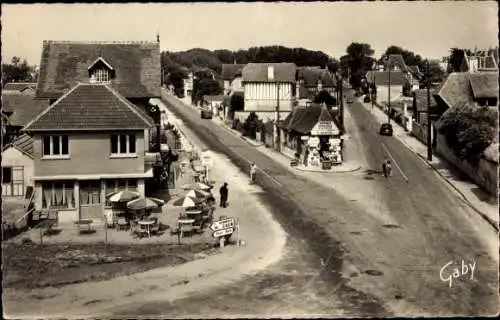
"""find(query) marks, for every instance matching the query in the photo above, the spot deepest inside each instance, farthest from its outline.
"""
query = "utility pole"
(277, 118)
(341, 102)
(429, 126)
(374, 88)
(389, 95)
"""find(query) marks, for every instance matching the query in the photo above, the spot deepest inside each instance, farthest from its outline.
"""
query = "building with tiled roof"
(90, 142)
(480, 88)
(314, 80)
(19, 109)
(396, 62)
(19, 88)
(17, 167)
(91, 107)
(131, 68)
(266, 83)
(232, 76)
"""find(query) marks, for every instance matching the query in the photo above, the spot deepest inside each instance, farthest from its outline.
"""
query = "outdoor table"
(147, 224)
(84, 222)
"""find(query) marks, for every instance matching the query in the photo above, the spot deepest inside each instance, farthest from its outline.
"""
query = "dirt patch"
(28, 266)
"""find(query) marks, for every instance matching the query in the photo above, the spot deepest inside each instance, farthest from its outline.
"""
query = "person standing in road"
(253, 172)
(224, 193)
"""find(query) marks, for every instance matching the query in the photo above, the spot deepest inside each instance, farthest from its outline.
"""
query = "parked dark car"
(386, 129)
(366, 99)
(206, 113)
(350, 100)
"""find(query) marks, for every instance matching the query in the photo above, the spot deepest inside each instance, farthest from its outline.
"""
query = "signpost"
(223, 228)
(207, 161)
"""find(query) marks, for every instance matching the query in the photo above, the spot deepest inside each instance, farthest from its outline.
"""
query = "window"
(114, 185)
(100, 75)
(6, 174)
(123, 144)
(57, 146)
(58, 194)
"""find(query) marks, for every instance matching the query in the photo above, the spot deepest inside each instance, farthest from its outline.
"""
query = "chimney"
(270, 73)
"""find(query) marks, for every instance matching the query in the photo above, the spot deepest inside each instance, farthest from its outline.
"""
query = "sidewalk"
(473, 195)
(263, 243)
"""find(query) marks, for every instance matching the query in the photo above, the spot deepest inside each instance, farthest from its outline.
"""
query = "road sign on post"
(223, 224)
(223, 232)
(206, 158)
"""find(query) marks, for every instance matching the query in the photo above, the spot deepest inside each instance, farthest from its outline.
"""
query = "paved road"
(398, 263)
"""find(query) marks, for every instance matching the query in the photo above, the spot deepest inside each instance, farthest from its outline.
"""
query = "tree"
(357, 61)
(251, 124)
(434, 74)
(410, 58)
(456, 59)
(16, 71)
(236, 103)
(324, 97)
(468, 130)
(204, 87)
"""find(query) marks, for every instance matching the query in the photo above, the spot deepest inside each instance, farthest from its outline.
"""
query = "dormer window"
(101, 71)
(99, 76)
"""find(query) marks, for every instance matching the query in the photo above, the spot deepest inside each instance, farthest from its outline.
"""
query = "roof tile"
(229, 71)
(64, 64)
(24, 108)
(484, 84)
(91, 107)
(257, 72)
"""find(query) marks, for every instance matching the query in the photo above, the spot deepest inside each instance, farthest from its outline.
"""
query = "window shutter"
(114, 143)
(46, 145)
(131, 142)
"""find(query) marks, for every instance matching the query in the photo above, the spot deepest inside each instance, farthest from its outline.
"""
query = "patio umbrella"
(123, 196)
(186, 202)
(197, 194)
(145, 203)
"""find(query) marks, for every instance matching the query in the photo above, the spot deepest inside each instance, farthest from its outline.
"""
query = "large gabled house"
(95, 135)
(88, 143)
(265, 84)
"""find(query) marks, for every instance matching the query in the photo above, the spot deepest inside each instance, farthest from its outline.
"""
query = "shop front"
(314, 137)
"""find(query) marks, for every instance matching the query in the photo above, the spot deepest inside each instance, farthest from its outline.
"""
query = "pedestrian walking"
(224, 193)
(253, 172)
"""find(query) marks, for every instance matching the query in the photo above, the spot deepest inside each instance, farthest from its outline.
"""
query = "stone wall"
(485, 174)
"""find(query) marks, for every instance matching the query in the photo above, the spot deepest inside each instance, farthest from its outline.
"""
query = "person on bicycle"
(386, 168)
(253, 172)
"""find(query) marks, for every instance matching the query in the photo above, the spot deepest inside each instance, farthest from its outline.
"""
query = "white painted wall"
(12, 157)
(383, 92)
(264, 96)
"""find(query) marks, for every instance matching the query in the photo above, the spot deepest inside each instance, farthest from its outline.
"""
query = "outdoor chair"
(122, 224)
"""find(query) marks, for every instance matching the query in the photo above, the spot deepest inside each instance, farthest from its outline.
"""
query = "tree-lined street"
(428, 227)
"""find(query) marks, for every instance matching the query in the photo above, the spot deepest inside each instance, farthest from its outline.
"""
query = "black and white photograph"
(203, 160)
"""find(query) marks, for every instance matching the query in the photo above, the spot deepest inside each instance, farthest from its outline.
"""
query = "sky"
(426, 28)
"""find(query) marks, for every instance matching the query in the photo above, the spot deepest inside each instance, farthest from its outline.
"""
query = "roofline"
(87, 129)
(26, 127)
(104, 61)
(129, 104)
(444, 85)
(265, 81)
(98, 42)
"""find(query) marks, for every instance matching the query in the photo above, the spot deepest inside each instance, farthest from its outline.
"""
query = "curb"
(329, 172)
(493, 223)
(237, 134)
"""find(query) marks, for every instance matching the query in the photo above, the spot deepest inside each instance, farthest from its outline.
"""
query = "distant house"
(188, 89)
(232, 77)
(384, 80)
(265, 84)
(414, 77)
(214, 102)
(396, 62)
(314, 80)
(90, 142)
(27, 88)
(420, 105)
(19, 109)
(480, 61)
(17, 166)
